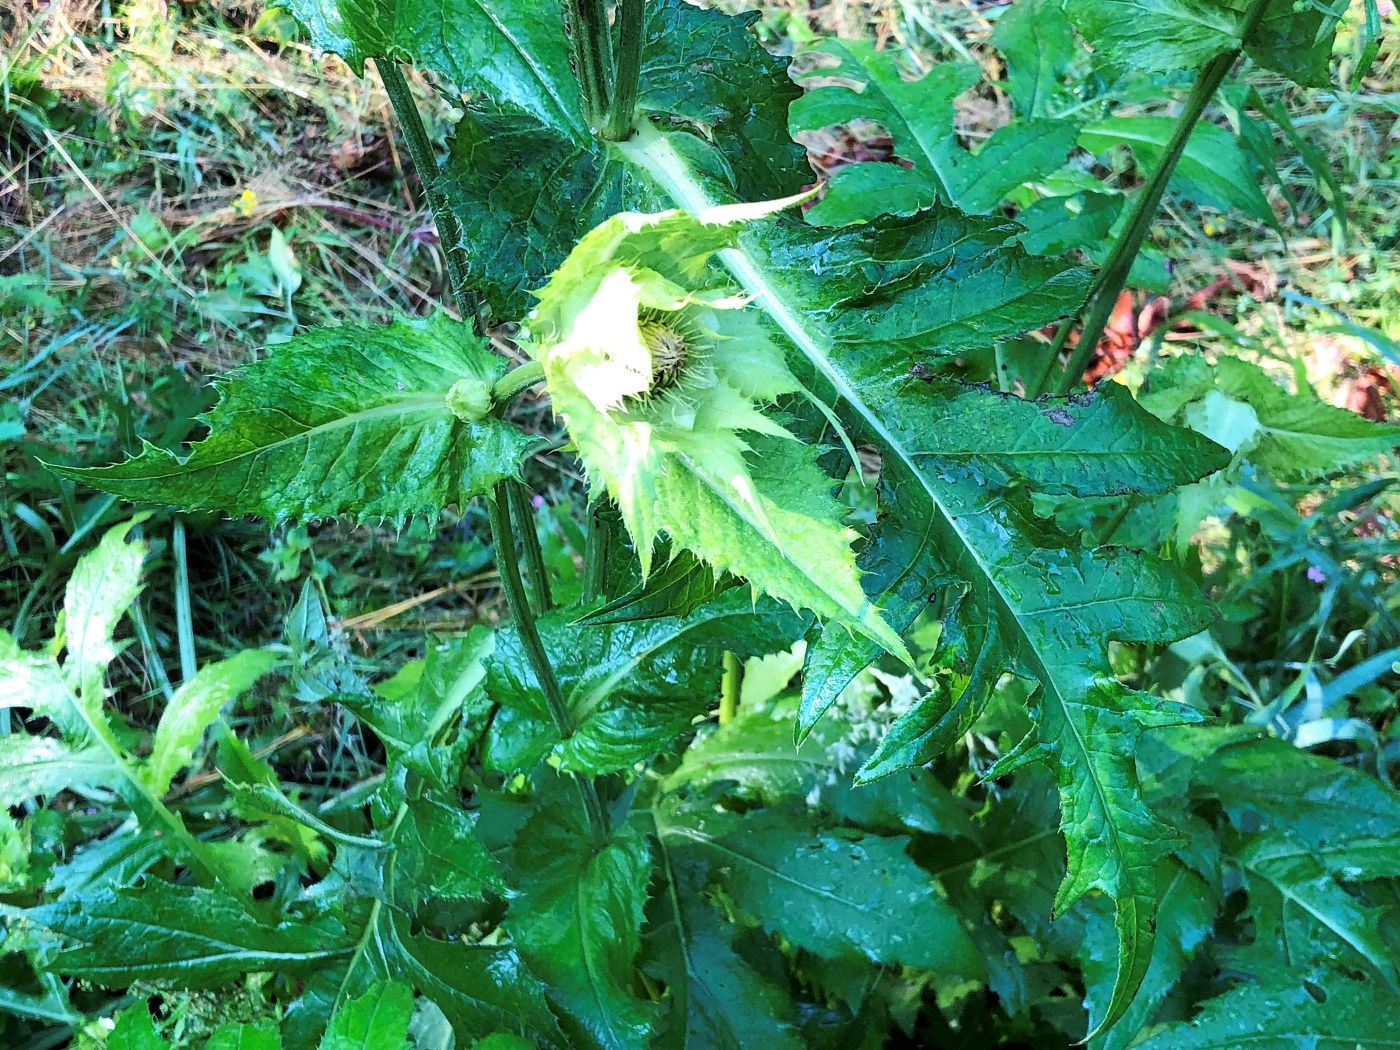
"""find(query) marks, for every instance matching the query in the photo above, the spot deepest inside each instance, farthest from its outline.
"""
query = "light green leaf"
(377, 1020)
(260, 1036)
(339, 421)
(194, 707)
(1288, 435)
(104, 584)
(195, 936)
(29, 679)
(837, 893)
(860, 83)
(135, 1030)
(1212, 171)
(1285, 1014)
(40, 766)
(577, 920)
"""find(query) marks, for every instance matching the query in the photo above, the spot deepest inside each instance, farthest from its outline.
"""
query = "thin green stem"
(631, 18)
(590, 46)
(1114, 274)
(595, 555)
(522, 514)
(1052, 358)
(420, 151)
(730, 687)
(503, 537)
(184, 618)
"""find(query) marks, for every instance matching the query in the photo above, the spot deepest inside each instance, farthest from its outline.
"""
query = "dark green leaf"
(718, 1000)
(631, 688)
(338, 421)
(577, 920)
(1283, 1014)
(135, 1030)
(1038, 43)
(191, 935)
(1212, 171)
(835, 893)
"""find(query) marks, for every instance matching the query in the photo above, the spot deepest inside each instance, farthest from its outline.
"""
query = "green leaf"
(719, 1001)
(512, 50)
(1164, 36)
(577, 919)
(1288, 435)
(39, 766)
(195, 936)
(260, 1036)
(411, 712)
(1185, 917)
(1038, 43)
(1213, 170)
(1157, 36)
(135, 1030)
(693, 453)
(338, 421)
(30, 679)
(836, 893)
(441, 856)
(1340, 818)
(860, 83)
(630, 688)
(1284, 1014)
(195, 706)
(104, 584)
(377, 1020)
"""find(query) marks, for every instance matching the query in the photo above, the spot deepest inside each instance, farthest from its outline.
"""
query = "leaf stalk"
(1103, 295)
(503, 537)
(590, 47)
(420, 151)
(622, 111)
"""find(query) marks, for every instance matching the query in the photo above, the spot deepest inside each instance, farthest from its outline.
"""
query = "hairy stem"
(590, 47)
(595, 555)
(631, 23)
(503, 537)
(524, 518)
(517, 379)
(420, 150)
(1104, 293)
(730, 687)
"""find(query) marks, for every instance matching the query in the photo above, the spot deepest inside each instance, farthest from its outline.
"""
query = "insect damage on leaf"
(670, 387)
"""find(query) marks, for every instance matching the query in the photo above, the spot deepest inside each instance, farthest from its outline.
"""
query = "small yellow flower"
(245, 204)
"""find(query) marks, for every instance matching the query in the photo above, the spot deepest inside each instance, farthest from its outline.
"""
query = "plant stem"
(1104, 293)
(503, 537)
(420, 150)
(523, 516)
(590, 44)
(631, 18)
(595, 555)
(1052, 358)
(516, 380)
(730, 687)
